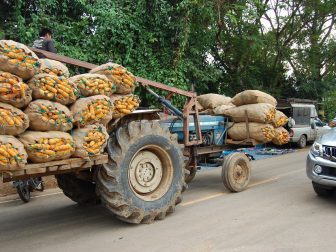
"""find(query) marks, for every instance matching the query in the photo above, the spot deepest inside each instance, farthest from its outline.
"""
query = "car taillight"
(291, 133)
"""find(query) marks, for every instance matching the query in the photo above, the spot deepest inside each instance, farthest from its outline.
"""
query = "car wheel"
(302, 142)
(323, 191)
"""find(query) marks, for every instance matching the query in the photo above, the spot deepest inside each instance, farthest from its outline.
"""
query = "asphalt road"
(279, 212)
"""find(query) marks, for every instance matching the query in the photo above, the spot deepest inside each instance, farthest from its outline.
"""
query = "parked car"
(321, 164)
(304, 125)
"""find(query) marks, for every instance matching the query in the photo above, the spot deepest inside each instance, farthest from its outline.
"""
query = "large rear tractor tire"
(144, 178)
(236, 172)
(81, 191)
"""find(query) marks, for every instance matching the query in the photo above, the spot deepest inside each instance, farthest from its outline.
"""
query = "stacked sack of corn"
(17, 63)
(46, 90)
(17, 59)
(12, 153)
(255, 110)
(38, 95)
(123, 100)
(53, 67)
(332, 124)
(90, 140)
(47, 146)
(214, 103)
(281, 136)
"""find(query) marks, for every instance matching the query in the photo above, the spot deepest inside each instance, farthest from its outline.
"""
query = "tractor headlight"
(316, 149)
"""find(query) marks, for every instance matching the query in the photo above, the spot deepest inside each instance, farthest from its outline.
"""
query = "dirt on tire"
(113, 183)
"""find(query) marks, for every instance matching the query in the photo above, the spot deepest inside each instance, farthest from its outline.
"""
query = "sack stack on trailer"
(253, 114)
(46, 115)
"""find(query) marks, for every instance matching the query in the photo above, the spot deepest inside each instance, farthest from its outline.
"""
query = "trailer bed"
(54, 167)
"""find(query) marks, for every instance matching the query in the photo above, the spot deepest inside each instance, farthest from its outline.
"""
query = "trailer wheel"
(236, 171)
(144, 178)
(81, 191)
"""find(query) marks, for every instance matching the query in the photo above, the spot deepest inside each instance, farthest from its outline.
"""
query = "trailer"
(149, 159)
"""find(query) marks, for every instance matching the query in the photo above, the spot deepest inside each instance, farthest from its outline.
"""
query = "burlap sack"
(58, 84)
(79, 136)
(16, 66)
(280, 119)
(81, 83)
(252, 97)
(49, 116)
(332, 124)
(54, 67)
(13, 91)
(281, 136)
(82, 105)
(223, 109)
(10, 160)
(13, 124)
(261, 113)
(263, 133)
(199, 106)
(37, 155)
(211, 101)
(123, 79)
(124, 104)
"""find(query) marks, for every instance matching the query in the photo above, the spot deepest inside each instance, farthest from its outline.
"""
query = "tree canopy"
(286, 48)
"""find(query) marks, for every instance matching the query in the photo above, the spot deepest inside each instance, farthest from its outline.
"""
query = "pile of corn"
(47, 146)
(268, 132)
(93, 142)
(12, 153)
(9, 154)
(46, 115)
(53, 67)
(124, 80)
(52, 115)
(18, 56)
(12, 120)
(91, 110)
(13, 90)
(51, 148)
(93, 84)
(281, 136)
(124, 105)
(280, 119)
(53, 71)
(38, 94)
(90, 141)
(17, 59)
(53, 88)
(96, 110)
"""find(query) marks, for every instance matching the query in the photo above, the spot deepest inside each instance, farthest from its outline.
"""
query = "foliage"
(283, 47)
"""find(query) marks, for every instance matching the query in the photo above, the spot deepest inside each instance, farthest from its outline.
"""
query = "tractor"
(150, 158)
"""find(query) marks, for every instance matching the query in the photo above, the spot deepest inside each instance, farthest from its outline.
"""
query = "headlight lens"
(316, 149)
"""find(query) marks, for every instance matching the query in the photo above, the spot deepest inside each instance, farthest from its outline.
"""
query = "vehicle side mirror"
(313, 126)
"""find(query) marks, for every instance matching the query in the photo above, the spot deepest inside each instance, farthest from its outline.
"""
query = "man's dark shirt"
(43, 44)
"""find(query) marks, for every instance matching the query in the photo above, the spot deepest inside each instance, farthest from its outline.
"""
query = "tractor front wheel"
(144, 178)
